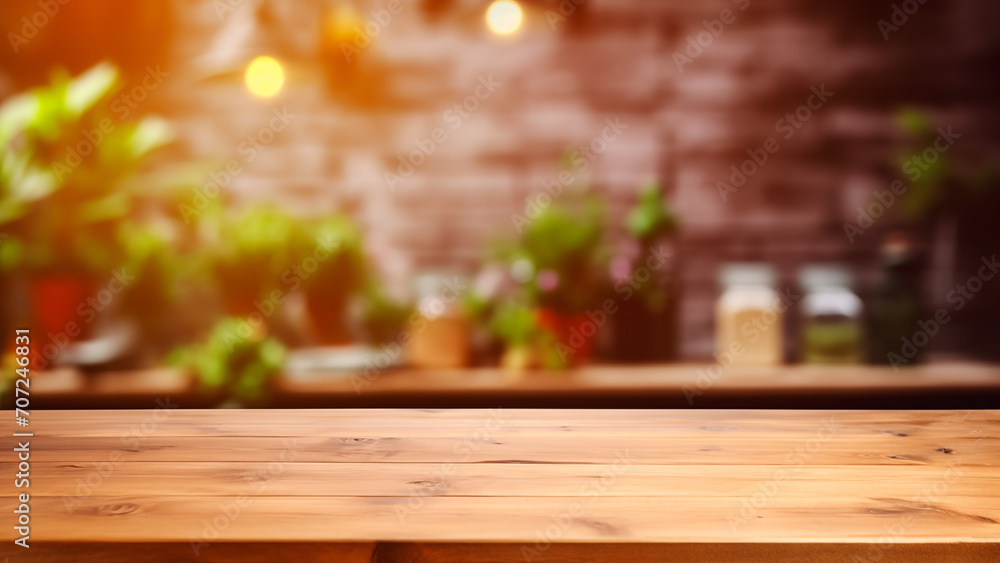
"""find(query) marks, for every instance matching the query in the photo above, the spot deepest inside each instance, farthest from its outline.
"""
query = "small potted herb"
(252, 247)
(560, 261)
(516, 325)
(335, 247)
(236, 359)
(382, 317)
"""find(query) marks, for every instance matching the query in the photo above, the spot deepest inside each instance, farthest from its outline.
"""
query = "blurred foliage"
(558, 266)
(337, 244)
(250, 248)
(561, 253)
(260, 248)
(514, 323)
(950, 182)
(648, 223)
(333, 273)
(929, 189)
(382, 317)
(236, 357)
(67, 171)
(651, 217)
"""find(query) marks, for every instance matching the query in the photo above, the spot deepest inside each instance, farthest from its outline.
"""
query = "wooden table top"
(526, 484)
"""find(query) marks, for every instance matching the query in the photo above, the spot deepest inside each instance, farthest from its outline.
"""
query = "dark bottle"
(645, 275)
(897, 304)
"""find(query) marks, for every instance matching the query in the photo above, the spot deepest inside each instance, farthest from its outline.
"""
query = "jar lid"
(748, 273)
(813, 276)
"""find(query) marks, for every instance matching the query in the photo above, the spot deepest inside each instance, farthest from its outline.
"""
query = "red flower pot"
(574, 334)
(329, 317)
(55, 301)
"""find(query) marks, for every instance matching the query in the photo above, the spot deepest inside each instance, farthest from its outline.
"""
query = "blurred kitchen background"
(458, 183)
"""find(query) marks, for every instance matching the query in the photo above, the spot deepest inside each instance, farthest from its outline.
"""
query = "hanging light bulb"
(265, 77)
(504, 17)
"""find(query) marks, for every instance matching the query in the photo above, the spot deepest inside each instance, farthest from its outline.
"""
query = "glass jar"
(440, 335)
(749, 316)
(831, 316)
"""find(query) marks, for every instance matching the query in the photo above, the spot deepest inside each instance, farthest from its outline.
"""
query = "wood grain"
(511, 519)
(484, 479)
(450, 485)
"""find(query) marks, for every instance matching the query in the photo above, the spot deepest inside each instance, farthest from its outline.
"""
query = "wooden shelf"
(936, 385)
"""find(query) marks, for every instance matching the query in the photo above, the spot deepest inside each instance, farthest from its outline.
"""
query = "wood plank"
(573, 448)
(831, 518)
(396, 422)
(540, 480)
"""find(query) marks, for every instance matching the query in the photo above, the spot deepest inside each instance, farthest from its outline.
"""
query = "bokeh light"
(504, 17)
(265, 77)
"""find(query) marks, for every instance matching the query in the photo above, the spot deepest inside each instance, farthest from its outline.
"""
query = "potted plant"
(334, 244)
(382, 317)
(64, 163)
(516, 325)
(252, 247)
(560, 262)
(153, 296)
(236, 359)
(645, 327)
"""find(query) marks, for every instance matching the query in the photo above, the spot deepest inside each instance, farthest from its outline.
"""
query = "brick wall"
(558, 84)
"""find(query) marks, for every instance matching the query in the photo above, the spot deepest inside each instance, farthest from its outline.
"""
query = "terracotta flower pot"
(240, 286)
(574, 335)
(328, 317)
(55, 301)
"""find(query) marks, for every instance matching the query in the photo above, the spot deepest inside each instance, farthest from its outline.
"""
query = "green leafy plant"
(251, 248)
(65, 166)
(929, 188)
(343, 271)
(340, 275)
(158, 273)
(261, 248)
(650, 217)
(236, 358)
(383, 317)
(514, 323)
(525, 343)
(561, 252)
(648, 222)
(948, 182)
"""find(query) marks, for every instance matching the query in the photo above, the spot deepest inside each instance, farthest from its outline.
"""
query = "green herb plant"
(66, 171)
(235, 358)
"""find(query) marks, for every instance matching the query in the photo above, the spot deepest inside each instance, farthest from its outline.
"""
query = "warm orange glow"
(344, 23)
(265, 77)
(504, 17)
